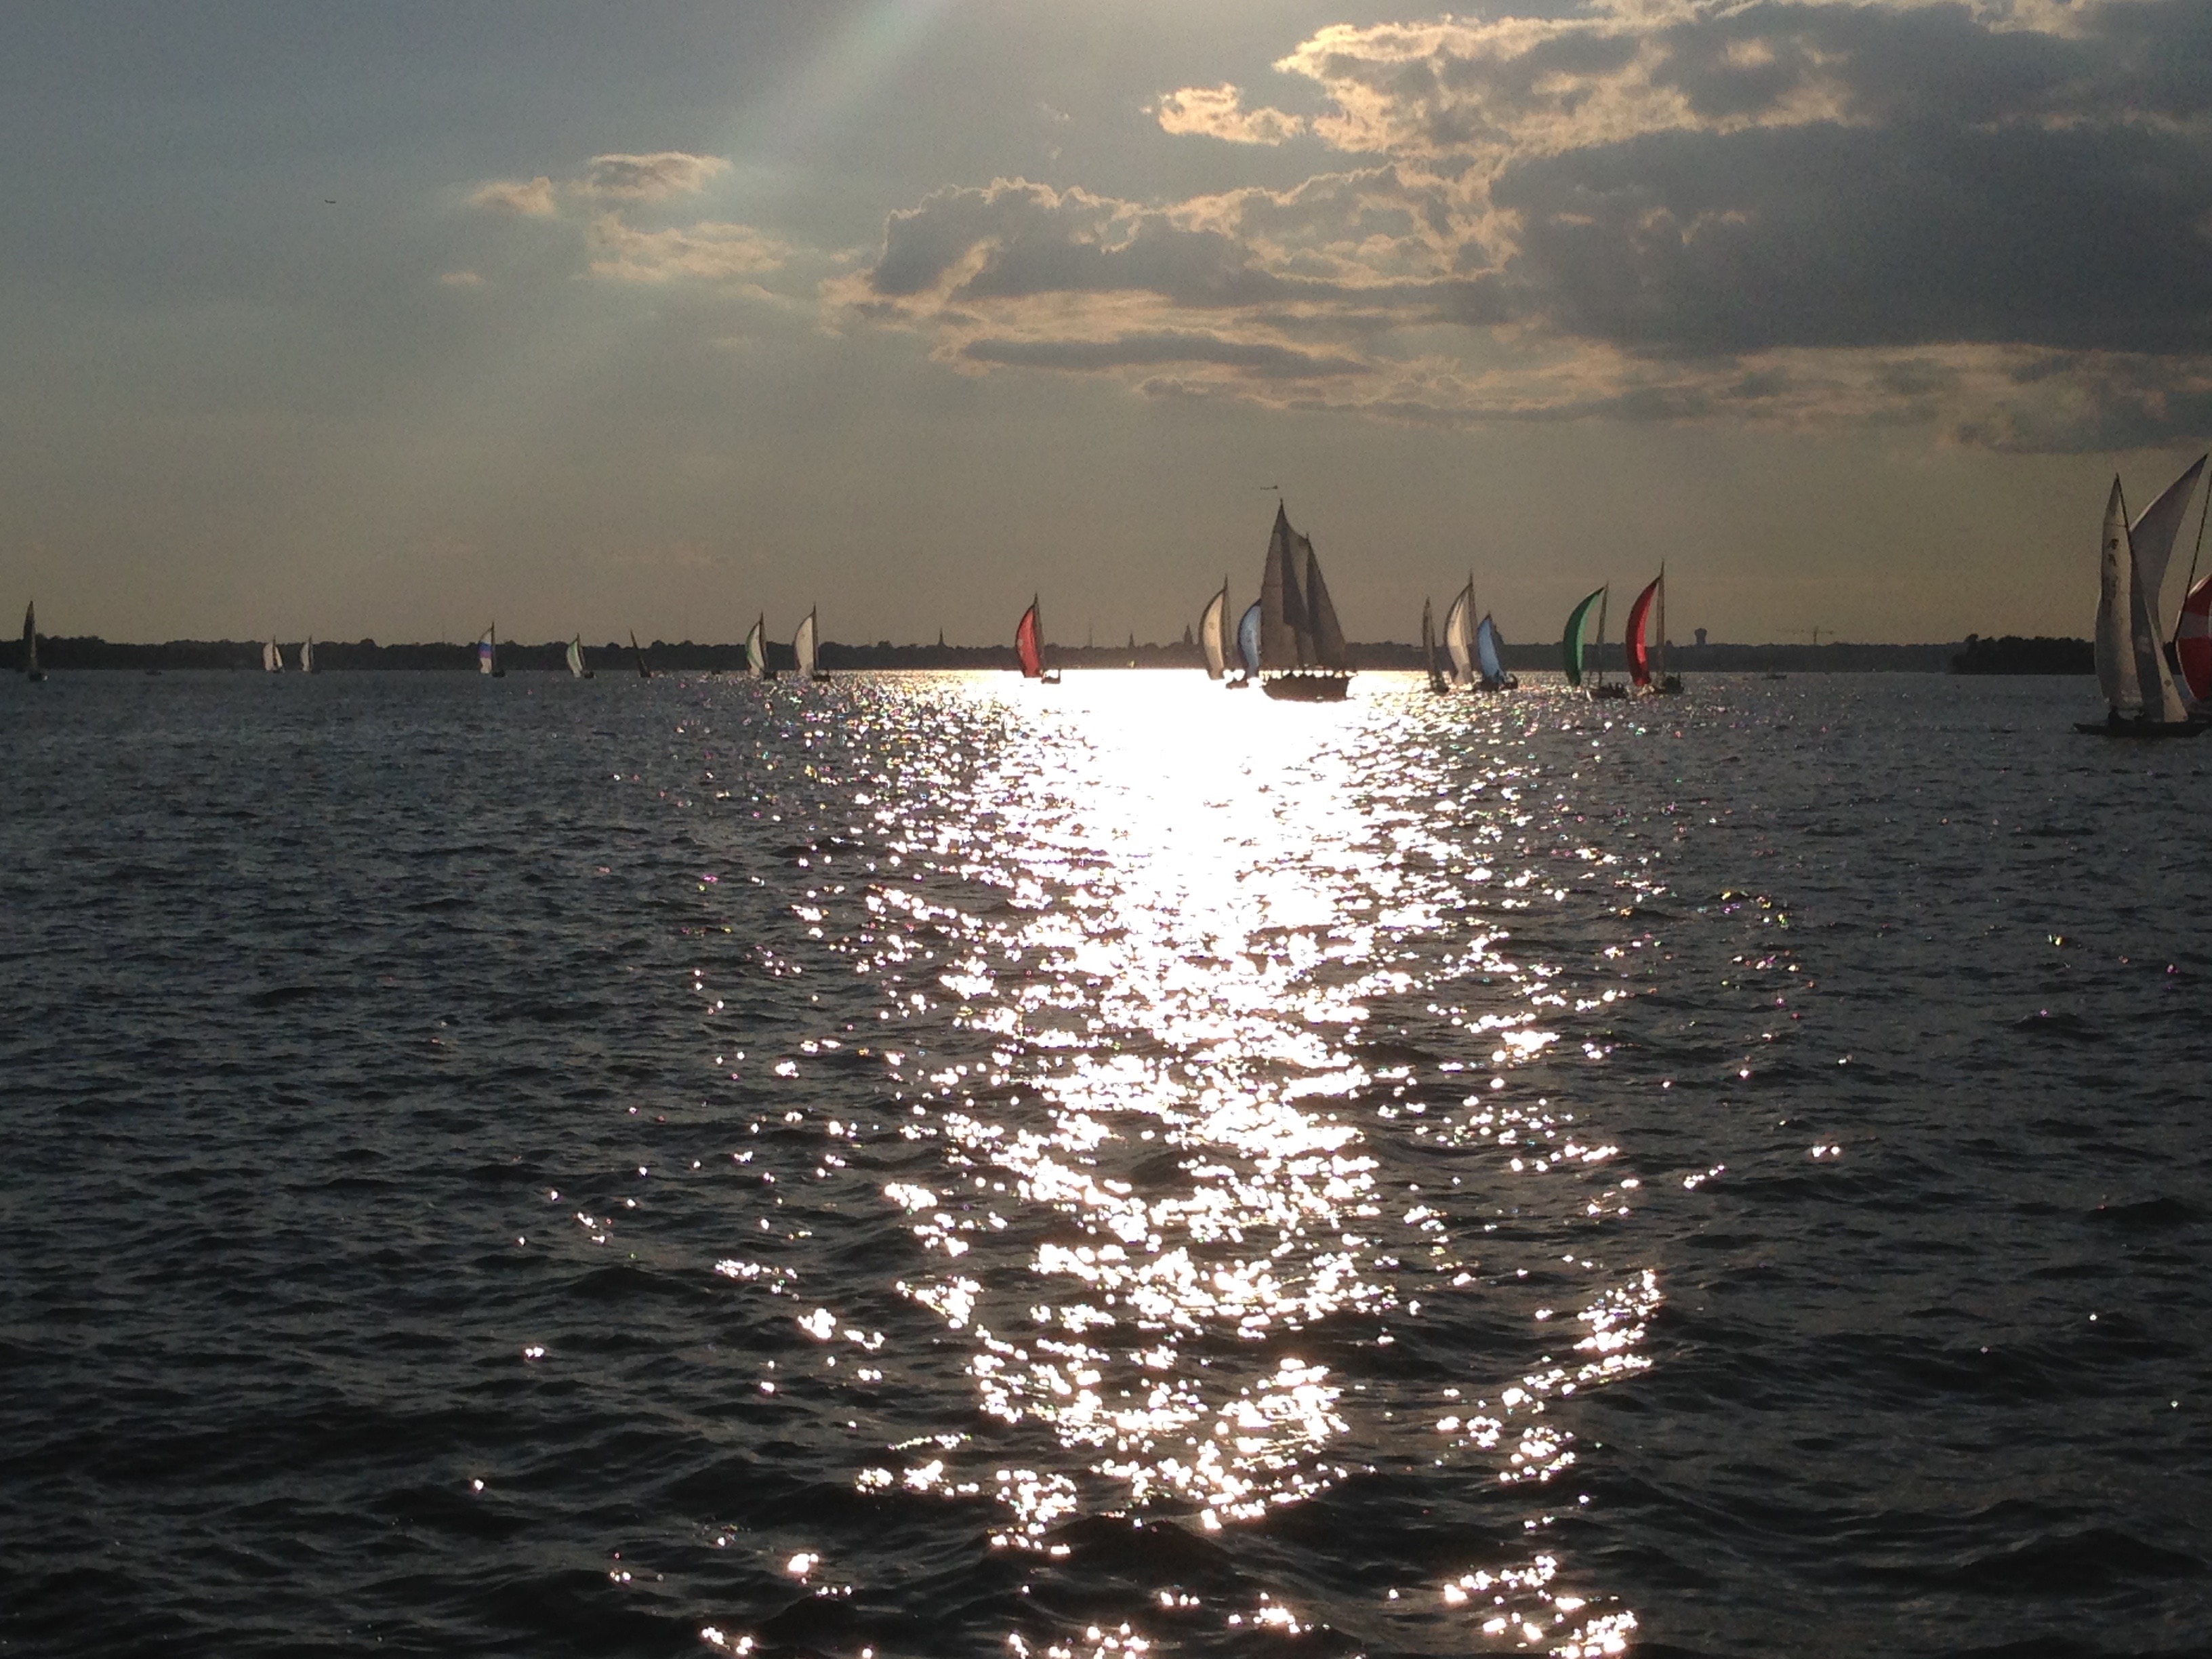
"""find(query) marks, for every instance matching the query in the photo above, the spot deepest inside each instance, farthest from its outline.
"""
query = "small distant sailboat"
(1459, 634)
(32, 671)
(1303, 657)
(1637, 644)
(2141, 698)
(1573, 644)
(272, 657)
(1490, 658)
(638, 651)
(1438, 683)
(803, 647)
(487, 654)
(1221, 663)
(1029, 646)
(756, 651)
(576, 665)
(1248, 646)
(307, 655)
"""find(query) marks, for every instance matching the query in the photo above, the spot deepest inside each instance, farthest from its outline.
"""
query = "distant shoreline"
(1972, 656)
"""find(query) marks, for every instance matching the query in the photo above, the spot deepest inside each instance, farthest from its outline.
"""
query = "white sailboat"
(2141, 698)
(488, 654)
(272, 658)
(1459, 634)
(756, 651)
(805, 646)
(307, 655)
(576, 667)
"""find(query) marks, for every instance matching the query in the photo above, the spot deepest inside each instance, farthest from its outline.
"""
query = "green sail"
(1571, 646)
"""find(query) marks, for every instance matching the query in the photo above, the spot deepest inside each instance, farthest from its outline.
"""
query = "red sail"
(2193, 642)
(1638, 649)
(1027, 646)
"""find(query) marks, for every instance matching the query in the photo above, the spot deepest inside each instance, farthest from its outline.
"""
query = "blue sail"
(1485, 650)
(1248, 639)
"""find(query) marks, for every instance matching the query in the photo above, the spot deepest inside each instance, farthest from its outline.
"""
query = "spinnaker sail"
(1489, 656)
(1029, 642)
(803, 645)
(1459, 633)
(1570, 644)
(1634, 643)
(1247, 638)
(1214, 634)
(2192, 642)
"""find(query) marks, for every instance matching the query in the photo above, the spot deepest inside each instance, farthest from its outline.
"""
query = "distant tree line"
(2009, 656)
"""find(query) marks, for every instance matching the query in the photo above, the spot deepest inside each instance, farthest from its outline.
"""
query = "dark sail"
(1326, 650)
(1284, 639)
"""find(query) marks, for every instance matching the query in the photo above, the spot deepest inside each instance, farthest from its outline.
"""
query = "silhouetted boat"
(1572, 643)
(32, 671)
(1302, 652)
(576, 666)
(638, 652)
(2141, 699)
(1438, 683)
(1028, 646)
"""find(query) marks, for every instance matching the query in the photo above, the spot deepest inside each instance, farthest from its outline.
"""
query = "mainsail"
(1459, 633)
(1247, 638)
(272, 659)
(1029, 642)
(756, 650)
(1633, 643)
(1328, 647)
(2131, 644)
(1570, 645)
(307, 655)
(1285, 636)
(1487, 653)
(576, 658)
(802, 647)
(1214, 634)
(2116, 660)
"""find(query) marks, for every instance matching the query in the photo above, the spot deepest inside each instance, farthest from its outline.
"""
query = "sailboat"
(576, 667)
(1571, 644)
(307, 655)
(2192, 642)
(1248, 646)
(803, 649)
(1438, 683)
(756, 651)
(2141, 698)
(272, 657)
(1302, 651)
(32, 671)
(487, 654)
(638, 651)
(1029, 646)
(1459, 634)
(1490, 658)
(1636, 647)
(1224, 661)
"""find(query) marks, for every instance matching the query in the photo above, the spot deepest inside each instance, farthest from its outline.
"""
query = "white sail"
(576, 656)
(802, 647)
(2115, 659)
(755, 652)
(487, 652)
(2153, 535)
(1213, 634)
(307, 656)
(272, 659)
(1459, 634)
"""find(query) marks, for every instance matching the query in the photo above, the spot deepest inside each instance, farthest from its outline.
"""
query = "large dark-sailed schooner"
(1302, 652)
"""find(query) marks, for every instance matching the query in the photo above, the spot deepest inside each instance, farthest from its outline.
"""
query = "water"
(936, 1166)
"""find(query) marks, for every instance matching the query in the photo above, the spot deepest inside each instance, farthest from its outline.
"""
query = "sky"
(392, 321)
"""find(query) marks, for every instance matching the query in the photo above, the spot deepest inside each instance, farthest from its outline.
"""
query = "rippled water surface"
(932, 1166)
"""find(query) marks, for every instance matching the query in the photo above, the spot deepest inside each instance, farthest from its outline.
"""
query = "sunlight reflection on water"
(1161, 1224)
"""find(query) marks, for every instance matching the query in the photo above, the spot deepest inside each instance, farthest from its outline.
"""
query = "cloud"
(706, 250)
(1219, 112)
(650, 177)
(1988, 219)
(533, 197)
(462, 279)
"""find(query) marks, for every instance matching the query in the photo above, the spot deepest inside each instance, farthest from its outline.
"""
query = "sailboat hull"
(1303, 685)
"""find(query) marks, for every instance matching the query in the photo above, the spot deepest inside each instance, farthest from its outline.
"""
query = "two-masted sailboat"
(2141, 697)
(1028, 646)
(32, 671)
(1646, 672)
(1303, 657)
